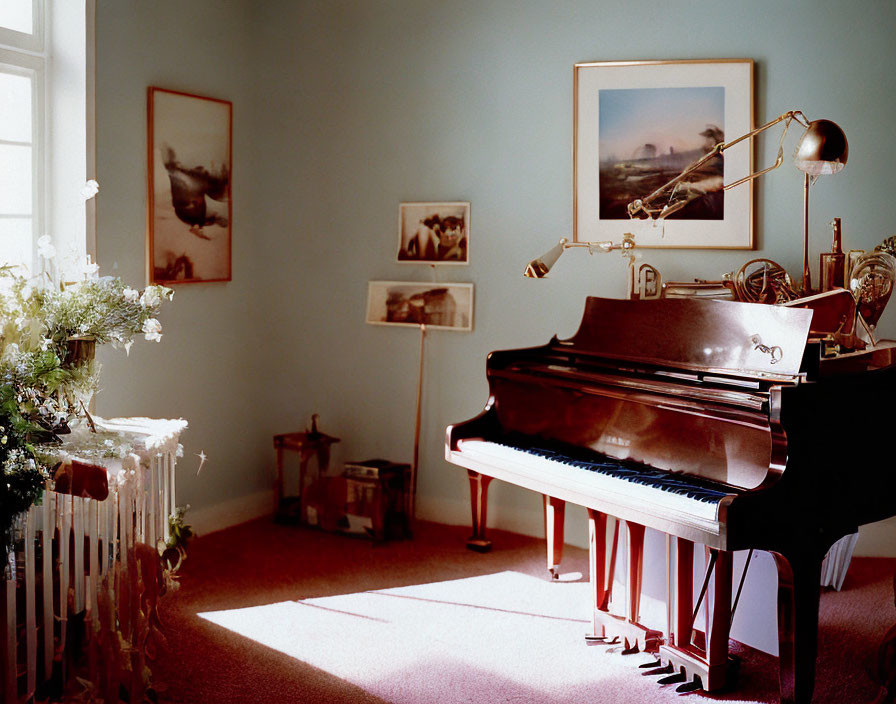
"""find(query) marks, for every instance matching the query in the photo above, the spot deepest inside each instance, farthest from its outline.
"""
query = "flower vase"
(78, 350)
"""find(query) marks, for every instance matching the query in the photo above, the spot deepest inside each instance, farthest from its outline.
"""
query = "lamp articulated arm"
(539, 268)
(644, 204)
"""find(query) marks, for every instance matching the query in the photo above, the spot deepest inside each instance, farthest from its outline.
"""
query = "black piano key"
(692, 487)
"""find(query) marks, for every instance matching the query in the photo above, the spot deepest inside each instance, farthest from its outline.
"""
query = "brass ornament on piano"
(774, 351)
(763, 281)
(871, 282)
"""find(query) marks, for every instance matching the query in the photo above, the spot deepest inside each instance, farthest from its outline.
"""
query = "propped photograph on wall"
(638, 126)
(434, 233)
(190, 206)
(438, 306)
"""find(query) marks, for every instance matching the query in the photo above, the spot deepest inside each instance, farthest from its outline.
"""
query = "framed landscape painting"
(438, 306)
(639, 124)
(190, 168)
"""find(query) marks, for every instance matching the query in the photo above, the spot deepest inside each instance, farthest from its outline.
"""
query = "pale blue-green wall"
(210, 365)
(343, 109)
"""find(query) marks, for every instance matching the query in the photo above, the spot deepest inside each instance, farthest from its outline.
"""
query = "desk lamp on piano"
(736, 428)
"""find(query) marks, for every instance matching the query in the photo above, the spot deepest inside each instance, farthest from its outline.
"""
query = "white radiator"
(73, 542)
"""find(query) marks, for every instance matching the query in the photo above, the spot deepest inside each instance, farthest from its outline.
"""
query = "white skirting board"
(208, 519)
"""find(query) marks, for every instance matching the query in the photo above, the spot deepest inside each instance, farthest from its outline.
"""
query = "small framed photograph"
(639, 124)
(434, 233)
(438, 306)
(190, 168)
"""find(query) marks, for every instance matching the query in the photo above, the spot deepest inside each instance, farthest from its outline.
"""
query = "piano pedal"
(651, 665)
(630, 649)
(691, 686)
(591, 639)
(674, 678)
(663, 670)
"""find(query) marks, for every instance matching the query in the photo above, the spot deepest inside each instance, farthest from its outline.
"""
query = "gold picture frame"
(637, 124)
(189, 199)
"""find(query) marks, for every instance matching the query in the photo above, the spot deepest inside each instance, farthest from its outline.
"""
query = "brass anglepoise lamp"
(539, 268)
(822, 150)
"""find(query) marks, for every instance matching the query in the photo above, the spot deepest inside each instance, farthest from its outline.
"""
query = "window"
(21, 109)
(44, 154)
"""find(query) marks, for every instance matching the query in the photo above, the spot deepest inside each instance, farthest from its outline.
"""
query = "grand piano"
(720, 424)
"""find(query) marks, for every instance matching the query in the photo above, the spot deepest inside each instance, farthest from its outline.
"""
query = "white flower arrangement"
(43, 383)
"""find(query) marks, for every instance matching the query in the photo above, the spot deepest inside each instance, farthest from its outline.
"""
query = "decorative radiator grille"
(71, 553)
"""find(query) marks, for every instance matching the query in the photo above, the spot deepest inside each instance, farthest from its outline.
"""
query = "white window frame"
(33, 42)
(25, 55)
(62, 158)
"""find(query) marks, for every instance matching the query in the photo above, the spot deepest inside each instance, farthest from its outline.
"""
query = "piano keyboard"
(620, 481)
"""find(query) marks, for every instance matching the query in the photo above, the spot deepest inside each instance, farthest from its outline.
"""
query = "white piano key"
(542, 468)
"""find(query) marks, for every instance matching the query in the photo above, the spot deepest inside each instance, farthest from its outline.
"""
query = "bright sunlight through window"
(44, 89)
(17, 15)
(17, 157)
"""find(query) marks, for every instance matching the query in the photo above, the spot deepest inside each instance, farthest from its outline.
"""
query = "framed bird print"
(190, 149)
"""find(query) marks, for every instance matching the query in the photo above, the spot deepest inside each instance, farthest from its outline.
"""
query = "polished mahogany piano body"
(715, 422)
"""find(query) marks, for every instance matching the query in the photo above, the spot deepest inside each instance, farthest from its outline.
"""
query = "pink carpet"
(270, 613)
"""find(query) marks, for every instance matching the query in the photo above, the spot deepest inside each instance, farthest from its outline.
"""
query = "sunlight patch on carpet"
(506, 633)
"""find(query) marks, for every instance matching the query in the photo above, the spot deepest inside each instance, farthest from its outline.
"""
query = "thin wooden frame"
(190, 171)
(621, 154)
(434, 233)
(439, 306)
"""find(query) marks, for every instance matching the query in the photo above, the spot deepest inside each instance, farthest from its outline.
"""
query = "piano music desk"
(308, 446)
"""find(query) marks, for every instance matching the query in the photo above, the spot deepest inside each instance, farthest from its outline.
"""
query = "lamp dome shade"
(823, 149)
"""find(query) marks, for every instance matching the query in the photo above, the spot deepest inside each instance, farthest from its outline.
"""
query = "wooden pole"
(413, 488)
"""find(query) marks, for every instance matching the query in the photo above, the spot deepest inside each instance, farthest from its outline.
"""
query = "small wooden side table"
(308, 445)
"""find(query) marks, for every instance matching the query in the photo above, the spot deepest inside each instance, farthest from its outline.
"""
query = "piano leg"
(718, 620)
(554, 512)
(479, 504)
(609, 627)
(635, 569)
(684, 593)
(799, 577)
(708, 660)
(597, 559)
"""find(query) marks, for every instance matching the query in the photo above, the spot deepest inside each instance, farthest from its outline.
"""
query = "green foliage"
(104, 309)
(179, 531)
(21, 479)
(43, 385)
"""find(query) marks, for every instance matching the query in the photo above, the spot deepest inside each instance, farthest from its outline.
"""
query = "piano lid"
(706, 335)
